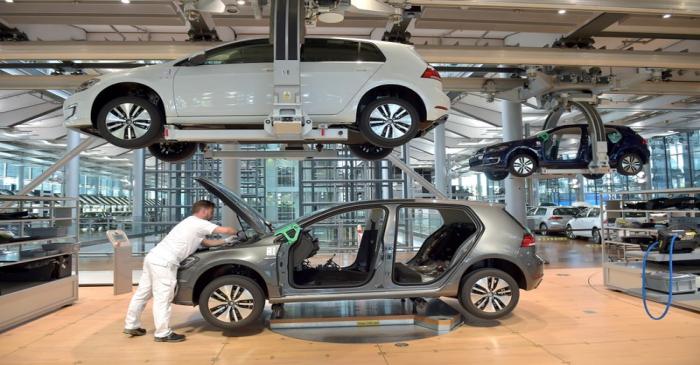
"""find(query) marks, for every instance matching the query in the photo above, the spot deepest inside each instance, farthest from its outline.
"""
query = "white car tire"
(130, 122)
(389, 122)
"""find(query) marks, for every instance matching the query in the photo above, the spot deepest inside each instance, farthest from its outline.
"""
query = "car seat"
(366, 250)
(305, 247)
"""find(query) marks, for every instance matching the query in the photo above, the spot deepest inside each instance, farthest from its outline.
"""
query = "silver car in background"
(545, 220)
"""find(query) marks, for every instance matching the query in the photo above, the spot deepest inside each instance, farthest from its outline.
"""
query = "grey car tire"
(173, 151)
(369, 152)
(630, 164)
(522, 165)
(489, 293)
(232, 302)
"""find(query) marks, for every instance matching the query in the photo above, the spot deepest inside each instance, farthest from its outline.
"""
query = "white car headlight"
(86, 85)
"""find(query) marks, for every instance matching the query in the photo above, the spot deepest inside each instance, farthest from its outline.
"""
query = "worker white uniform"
(159, 276)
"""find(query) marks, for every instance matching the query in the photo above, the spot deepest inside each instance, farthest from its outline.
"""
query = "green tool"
(290, 232)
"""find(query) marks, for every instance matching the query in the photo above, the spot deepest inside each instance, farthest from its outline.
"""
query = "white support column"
(580, 193)
(440, 157)
(231, 178)
(71, 181)
(20, 176)
(137, 189)
(72, 171)
(512, 120)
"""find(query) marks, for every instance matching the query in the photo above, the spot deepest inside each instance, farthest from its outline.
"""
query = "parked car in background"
(563, 147)
(476, 252)
(383, 92)
(545, 220)
(588, 223)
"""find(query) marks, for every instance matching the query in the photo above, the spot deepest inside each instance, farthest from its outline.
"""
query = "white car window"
(256, 51)
(594, 212)
(339, 50)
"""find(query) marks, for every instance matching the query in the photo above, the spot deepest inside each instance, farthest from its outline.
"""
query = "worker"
(159, 275)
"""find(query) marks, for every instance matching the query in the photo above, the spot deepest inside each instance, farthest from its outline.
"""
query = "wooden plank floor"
(570, 319)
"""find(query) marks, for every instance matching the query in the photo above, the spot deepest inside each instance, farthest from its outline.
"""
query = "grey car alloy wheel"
(390, 121)
(231, 303)
(128, 121)
(491, 294)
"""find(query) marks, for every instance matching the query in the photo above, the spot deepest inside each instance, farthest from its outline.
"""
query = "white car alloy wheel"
(128, 121)
(231, 303)
(630, 164)
(389, 122)
(491, 294)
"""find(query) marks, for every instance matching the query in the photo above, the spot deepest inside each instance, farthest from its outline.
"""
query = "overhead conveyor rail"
(12, 51)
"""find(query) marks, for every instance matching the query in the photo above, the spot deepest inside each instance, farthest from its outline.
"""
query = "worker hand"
(231, 239)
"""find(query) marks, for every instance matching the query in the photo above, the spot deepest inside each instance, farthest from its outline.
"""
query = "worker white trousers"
(159, 282)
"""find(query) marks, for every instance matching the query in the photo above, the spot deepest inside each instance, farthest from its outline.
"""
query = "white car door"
(333, 71)
(235, 80)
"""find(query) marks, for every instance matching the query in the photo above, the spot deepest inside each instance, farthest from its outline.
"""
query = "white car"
(550, 219)
(588, 222)
(383, 92)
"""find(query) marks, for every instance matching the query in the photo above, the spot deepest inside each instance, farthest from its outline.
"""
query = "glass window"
(285, 176)
(257, 51)
(541, 211)
(563, 144)
(330, 50)
(371, 53)
(594, 212)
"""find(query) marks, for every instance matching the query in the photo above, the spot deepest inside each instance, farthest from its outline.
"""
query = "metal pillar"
(440, 156)
(72, 175)
(512, 121)
(20, 176)
(580, 195)
(231, 177)
(137, 190)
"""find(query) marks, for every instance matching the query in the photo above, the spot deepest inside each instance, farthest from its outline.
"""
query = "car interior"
(330, 273)
(437, 252)
(563, 144)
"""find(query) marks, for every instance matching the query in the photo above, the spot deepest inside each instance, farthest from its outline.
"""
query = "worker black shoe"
(135, 331)
(172, 337)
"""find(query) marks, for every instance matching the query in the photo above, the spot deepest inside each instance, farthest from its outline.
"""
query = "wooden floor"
(570, 319)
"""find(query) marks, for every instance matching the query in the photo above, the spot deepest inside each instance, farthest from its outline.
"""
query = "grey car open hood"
(251, 216)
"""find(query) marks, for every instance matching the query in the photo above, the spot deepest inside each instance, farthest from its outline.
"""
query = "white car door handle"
(267, 69)
(362, 69)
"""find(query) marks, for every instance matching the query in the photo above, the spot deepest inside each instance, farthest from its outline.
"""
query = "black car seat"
(305, 247)
(366, 250)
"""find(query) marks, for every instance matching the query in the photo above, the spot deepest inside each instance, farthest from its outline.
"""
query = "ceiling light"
(240, 2)
(126, 1)
(562, 11)
(666, 16)
(9, 1)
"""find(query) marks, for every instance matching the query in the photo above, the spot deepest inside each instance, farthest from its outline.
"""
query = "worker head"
(203, 209)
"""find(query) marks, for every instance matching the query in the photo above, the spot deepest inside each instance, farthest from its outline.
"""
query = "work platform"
(360, 321)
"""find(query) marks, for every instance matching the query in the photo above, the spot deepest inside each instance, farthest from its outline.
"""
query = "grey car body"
(264, 258)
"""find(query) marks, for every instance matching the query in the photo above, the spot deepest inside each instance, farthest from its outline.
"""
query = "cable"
(670, 278)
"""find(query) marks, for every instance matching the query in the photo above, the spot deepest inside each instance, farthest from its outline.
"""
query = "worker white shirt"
(182, 241)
